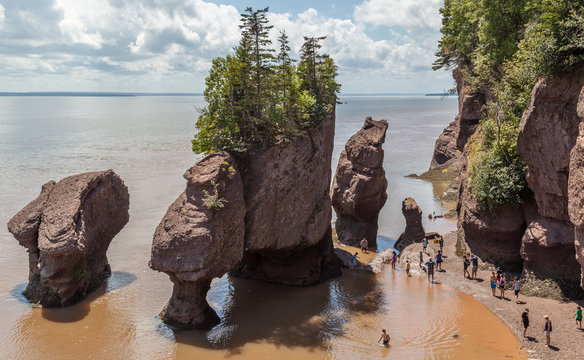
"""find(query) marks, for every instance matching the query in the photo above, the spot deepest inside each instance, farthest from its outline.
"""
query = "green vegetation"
(503, 48)
(212, 200)
(258, 97)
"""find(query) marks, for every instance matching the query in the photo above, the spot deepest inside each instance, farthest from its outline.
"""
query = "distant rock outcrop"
(414, 231)
(359, 186)
(200, 237)
(273, 223)
(67, 230)
(451, 142)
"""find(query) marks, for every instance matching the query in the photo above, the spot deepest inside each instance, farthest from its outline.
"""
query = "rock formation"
(273, 224)
(493, 235)
(547, 135)
(359, 186)
(576, 191)
(451, 142)
(414, 231)
(200, 237)
(67, 230)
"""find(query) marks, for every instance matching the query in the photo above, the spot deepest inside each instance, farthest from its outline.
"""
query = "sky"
(380, 46)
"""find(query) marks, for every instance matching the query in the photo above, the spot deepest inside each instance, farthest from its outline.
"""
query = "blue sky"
(380, 46)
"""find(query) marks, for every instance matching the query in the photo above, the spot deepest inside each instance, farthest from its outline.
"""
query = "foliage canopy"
(503, 48)
(257, 96)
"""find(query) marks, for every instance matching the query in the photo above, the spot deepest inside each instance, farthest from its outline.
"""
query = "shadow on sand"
(286, 316)
(80, 310)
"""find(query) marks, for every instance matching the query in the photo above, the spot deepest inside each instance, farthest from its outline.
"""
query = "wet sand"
(566, 340)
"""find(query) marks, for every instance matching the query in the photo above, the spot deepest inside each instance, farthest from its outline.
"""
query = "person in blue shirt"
(430, 267)
(475, 266)
(439, 260)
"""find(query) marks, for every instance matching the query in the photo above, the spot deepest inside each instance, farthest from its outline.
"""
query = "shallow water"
(146, 141)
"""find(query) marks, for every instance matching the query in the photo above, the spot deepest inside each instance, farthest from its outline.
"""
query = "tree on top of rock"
(255, 99)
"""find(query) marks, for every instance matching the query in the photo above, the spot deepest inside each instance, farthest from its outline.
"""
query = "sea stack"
(359, 186)
(414, 231)
(67, 230)
(264, 215)
(200, 237)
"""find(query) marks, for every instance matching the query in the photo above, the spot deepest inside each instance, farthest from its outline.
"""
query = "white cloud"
(169, 45)
(1, 16)
(404, 13)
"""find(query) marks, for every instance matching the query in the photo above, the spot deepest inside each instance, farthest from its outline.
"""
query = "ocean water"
(146, 140)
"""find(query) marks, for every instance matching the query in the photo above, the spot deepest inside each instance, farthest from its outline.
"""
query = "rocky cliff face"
(200, 237)
(359, 186)
(495, 235)
(274, 223)
(576, 190)
(453, 139)
(414, 231)
(547, 136)
(67, 231)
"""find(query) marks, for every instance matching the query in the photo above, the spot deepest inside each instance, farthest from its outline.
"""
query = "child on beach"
(547, 329)
(466, 263)
(578, 316)
(354, 260)
(421, 259)
(525, 321)
(516, 287)
(393, 260)
(408, 267)
(425, 245)
(439, 260)
(385, 337)
(493, 282)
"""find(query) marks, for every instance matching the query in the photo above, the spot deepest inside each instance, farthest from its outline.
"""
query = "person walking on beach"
(364, 245)
(425, 245)
(393, 259)
(384, 337)
(408, 267)
(578, 316)
(430, 266)
(475, 266)
(493, 282)
(421, 259)
(516, 288)
(439, 260)
(502, 286)
(441, 242)
(547, 329)
(354, 259)
(525, 321)
(466, 263)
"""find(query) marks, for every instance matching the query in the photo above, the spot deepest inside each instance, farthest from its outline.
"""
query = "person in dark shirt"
(547, 329)
(439, 260)
(525, 321)
(475, 266)
(466, 264)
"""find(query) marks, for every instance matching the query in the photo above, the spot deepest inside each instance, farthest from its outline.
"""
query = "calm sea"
(146, 140)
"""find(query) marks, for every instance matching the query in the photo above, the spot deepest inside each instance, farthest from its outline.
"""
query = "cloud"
(403, 13)
(168, 45)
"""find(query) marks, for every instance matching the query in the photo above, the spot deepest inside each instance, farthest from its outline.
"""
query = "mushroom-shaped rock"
(414, 231)
(359, 186)
(67, 231)
(200, 237)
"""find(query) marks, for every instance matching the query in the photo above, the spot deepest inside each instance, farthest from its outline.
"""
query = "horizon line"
(137, 94)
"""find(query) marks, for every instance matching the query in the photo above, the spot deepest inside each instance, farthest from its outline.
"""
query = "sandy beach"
(566, 339)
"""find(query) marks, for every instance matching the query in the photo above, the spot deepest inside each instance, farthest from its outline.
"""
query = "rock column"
(359, 186)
